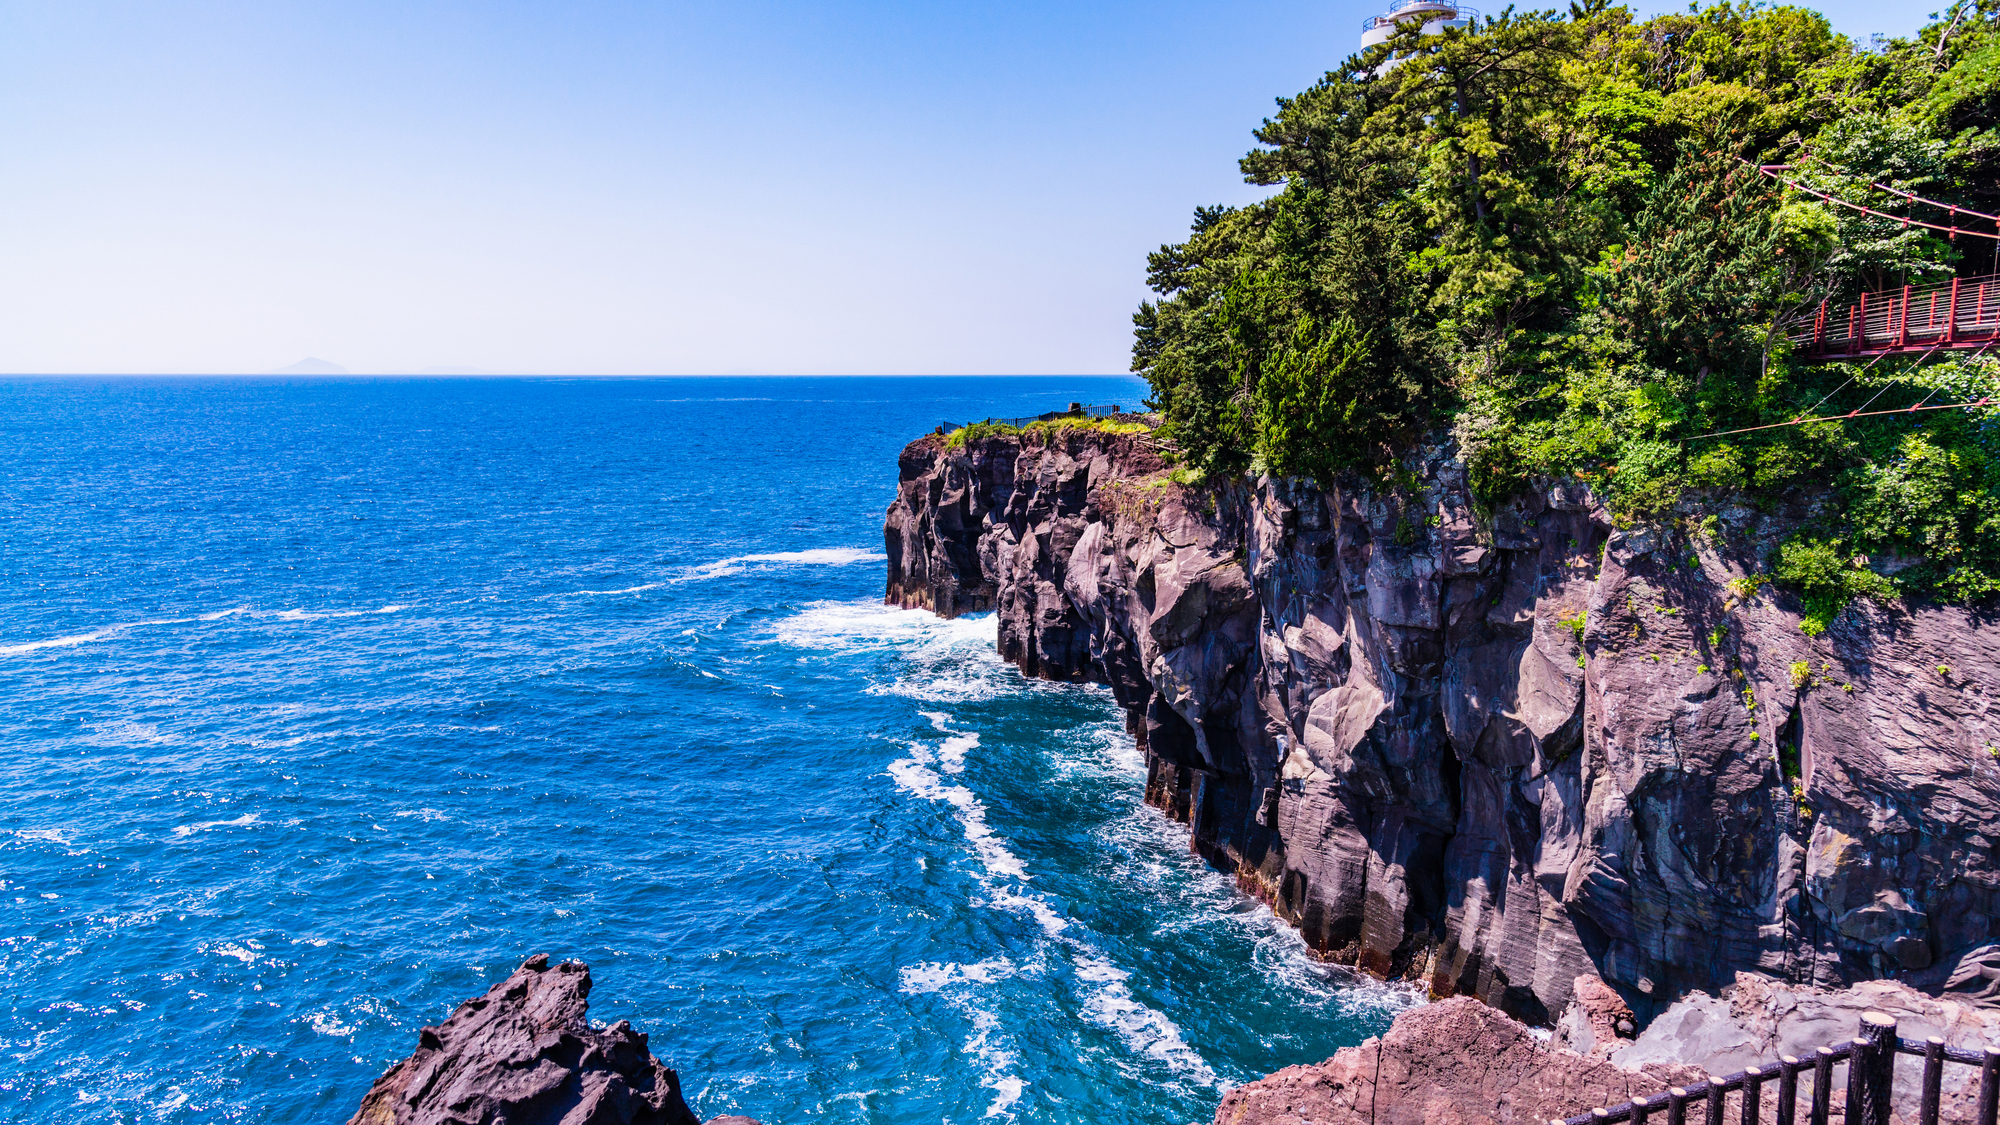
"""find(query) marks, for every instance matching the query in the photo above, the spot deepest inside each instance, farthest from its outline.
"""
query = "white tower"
(1434, 15)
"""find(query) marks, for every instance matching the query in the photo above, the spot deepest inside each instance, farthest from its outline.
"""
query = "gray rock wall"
(1492, 750)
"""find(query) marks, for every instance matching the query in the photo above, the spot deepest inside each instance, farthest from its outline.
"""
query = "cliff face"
(1492, 750)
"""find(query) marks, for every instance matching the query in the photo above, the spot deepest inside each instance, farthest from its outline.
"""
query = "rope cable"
(1863, 411)
(1851, 378)
(1768, 170)
(1988, 401)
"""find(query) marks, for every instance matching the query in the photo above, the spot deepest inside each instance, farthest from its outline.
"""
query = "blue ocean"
(327, 702)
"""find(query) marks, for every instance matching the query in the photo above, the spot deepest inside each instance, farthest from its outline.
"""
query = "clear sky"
(625, 187)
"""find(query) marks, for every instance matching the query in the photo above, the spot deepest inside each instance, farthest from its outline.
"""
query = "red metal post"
(1819, 330)
(1903, 326)
(1951, 316)
(1857, 325)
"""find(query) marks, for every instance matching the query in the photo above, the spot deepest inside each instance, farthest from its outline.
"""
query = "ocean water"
(325, 703)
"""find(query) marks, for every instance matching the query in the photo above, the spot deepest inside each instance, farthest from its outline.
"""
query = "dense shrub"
(1547, 234)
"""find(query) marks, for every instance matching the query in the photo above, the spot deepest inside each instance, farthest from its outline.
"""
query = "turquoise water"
(325, 703)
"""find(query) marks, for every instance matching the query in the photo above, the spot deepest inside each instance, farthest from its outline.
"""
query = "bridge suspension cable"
(1851, 414)
(1862, 411)
(1953, 231)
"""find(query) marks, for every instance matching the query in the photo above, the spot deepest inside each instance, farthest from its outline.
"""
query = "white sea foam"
(330, 1023)
(1108, 1001)
(998, 1062)
(957, 985)
(244, 954)
(424, 815)
(820, 556)
(57, 642)
(849, 627)
(918, 779)
(952, 751)
(933, 976)
(949, 661)
(331, 615)
(109, 631)
(1144, 1030)
(244, 821)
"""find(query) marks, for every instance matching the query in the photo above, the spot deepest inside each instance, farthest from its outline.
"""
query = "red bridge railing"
(1961, 313)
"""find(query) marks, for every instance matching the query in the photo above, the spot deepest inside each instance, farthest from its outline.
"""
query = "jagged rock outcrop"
(1453, 1061)
(1459, 1060)
(1493, 750)
(525, 1054)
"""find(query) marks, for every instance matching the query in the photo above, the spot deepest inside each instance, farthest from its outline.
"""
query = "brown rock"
(1598, 1021)
(524, 1054)
(1442, 1064)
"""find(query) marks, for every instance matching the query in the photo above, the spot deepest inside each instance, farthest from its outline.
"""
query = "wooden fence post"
(1933, 1079)
(1822, 1103)
(1989, 1088)
(1875, 1058)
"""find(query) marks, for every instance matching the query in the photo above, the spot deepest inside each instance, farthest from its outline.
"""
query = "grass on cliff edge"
(1546, 234)
(957, 438)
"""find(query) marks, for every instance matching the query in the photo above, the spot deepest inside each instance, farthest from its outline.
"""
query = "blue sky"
(621, 187)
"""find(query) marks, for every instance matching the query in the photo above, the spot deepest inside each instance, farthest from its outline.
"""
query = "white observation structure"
(1433, 15)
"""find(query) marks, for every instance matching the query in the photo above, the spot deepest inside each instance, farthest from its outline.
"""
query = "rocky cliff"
(525, 1054)
(1459, 1061)
(1492, 749)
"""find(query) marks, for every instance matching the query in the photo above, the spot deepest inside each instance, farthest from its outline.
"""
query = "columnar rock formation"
(1493, 750)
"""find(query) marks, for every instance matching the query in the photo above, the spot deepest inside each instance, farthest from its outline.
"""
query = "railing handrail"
(1959, 312)
(1459, 12)
(1871, 1059)
(1076, 410)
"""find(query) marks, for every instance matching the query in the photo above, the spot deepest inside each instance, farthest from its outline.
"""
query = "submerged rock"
(1497, 749)
(525, 1054)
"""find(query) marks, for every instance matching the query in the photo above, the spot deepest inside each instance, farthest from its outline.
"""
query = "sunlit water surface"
(327, 702)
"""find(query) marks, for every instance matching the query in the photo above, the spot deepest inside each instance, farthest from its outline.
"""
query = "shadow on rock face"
(525, 1054)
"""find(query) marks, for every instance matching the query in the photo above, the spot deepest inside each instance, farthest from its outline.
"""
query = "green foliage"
(1049, 428)
(958, 438)
(1308, 397)
(1575, 623)
(1546, 235)
(1828, 576)
(1801, 673)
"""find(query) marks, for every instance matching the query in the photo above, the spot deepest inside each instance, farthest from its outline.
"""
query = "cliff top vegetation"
(1546, 233)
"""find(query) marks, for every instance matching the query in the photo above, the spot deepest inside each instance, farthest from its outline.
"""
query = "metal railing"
(1076, 410)
(1457, 12)
(1871, 1061)
(1960, 313)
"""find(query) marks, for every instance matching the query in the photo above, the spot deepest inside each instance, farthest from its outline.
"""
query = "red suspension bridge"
(1961, 313)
